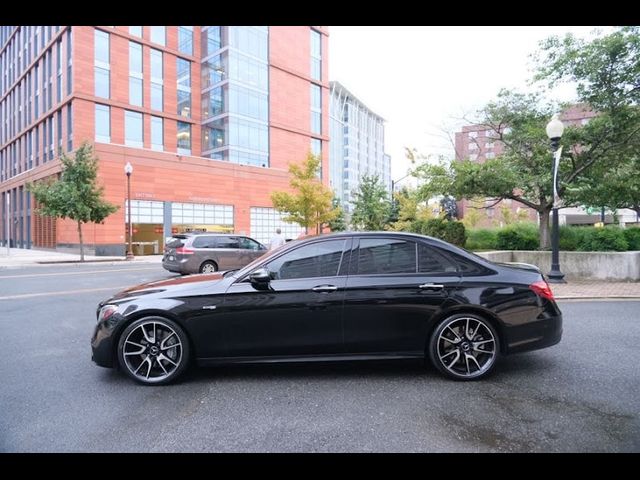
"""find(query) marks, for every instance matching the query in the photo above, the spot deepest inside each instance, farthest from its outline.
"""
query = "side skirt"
(309, 358)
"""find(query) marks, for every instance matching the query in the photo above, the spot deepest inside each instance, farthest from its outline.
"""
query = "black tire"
(145, 364)
(450, 349)
(208, 265)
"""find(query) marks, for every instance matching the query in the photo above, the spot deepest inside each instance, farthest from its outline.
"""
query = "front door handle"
(325, 288)
(431, 286)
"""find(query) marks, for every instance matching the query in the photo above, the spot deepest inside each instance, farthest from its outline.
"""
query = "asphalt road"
(579, 396)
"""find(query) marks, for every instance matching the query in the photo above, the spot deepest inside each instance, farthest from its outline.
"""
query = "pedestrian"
(277, 240)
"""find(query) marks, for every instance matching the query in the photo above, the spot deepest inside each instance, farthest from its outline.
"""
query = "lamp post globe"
(128, 170)
(555, 129)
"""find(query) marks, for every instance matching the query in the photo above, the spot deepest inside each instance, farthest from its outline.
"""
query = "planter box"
(577, 265)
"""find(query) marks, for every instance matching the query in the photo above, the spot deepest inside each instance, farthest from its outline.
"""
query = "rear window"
(176, 242)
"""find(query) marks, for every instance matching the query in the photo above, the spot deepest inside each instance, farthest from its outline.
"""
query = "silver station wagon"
(209, 252)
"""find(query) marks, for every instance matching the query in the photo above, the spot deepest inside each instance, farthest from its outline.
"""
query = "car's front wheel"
(153, 350)
(464, 347)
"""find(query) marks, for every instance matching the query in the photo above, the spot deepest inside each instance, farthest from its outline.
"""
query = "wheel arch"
(137, 315)
(471, 309)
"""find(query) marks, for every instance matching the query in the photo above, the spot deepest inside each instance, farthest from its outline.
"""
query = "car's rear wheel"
(464, 346)
(153, 351)
(208, 267)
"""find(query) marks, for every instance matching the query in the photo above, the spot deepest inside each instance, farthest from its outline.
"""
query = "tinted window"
(321, 259)
(379, 255)
(227, 242)
(468, 267)
(204, 242)
(248, 244)
(433, 262)
(176, 242)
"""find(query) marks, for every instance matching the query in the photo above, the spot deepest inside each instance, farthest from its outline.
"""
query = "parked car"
(347, 296)
(209, 252)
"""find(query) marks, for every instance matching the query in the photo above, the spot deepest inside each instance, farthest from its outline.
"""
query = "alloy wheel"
(466, 347)
(152, 351)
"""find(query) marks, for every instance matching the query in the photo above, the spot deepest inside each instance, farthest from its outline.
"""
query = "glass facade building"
(235, 94)
(357, 145)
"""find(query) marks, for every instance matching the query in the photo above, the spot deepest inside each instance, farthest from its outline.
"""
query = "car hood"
(520, 266)
(190, 284)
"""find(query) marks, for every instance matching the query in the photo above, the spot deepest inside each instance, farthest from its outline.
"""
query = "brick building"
(209, 117)
(478, 143)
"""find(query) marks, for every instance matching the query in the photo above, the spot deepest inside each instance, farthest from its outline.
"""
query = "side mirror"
(260, 279)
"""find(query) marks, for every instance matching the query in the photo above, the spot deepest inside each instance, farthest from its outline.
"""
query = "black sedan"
(347, 296)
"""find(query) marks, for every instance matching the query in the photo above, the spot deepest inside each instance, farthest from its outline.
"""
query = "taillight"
(542, 289)
(185, 251)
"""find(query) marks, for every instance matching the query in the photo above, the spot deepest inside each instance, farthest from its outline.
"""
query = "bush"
(481, 239)
(519, 236)
(572, 237)
(604, 240)
(632, 236)
(447, 230)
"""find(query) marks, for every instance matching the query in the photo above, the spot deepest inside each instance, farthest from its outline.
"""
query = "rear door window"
(385, 255)
(204, 242)
(227, 242)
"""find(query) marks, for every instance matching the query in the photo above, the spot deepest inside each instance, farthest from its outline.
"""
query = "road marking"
(66, 292)
(78, 273)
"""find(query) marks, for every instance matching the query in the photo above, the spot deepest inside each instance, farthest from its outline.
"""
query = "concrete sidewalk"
(595, 289)
(22, 257)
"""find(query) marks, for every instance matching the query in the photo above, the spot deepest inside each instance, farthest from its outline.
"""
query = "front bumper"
(102, 343)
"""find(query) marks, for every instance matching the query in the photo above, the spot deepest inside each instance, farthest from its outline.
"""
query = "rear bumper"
(541, 333)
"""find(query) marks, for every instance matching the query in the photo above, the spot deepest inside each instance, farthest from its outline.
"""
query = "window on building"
(157, 133)
(157, 80)
(69, 62)
(316, 109)
(50, 135)
(316, 55)
(185, 40)
(211, 40)
(59, 71)
(69, 128)
(184, 138)
(59, 129)
(473, 134)
(102, 64)
(135, 74)
(103, 123)
(158, 34)
(136, 31)
(183, 70)
(133, 129)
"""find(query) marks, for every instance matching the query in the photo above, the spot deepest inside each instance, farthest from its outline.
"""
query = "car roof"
(213, 234)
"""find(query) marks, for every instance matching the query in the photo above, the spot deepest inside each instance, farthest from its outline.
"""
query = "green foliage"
(482, 239)
(311, 204)
(372, 207)
(572, 237)
(632, 236)
(603, 240)
(76, 195)
(448, 230)
(518, 236)
(338, 224)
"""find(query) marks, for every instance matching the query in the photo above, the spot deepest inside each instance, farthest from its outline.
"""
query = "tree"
(311, 205)
(372, 206)
(607, 74)
(411, 211)
(76, 194)
(338, 224)
(606, 71)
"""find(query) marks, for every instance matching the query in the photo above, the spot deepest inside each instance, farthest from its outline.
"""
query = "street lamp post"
(555, 128)
(128, 170)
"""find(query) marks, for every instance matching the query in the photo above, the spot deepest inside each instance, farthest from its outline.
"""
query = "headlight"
(106, 312)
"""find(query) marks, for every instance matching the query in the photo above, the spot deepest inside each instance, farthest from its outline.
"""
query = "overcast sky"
(421, 79)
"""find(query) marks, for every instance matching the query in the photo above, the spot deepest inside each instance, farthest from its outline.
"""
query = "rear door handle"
(325, 288)
(431, 286)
